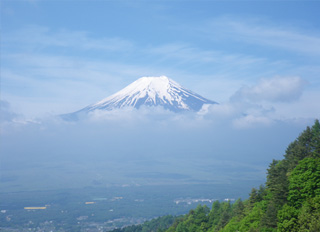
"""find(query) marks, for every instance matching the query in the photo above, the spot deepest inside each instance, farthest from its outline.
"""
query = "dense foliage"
(155, 225)
(290, 201)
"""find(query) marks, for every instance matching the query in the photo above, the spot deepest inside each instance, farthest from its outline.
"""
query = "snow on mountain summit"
(151, 91)
(146, 90)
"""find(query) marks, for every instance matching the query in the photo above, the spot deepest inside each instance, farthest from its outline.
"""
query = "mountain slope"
(150, 91)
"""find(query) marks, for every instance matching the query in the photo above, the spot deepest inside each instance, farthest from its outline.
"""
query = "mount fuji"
(151, 92)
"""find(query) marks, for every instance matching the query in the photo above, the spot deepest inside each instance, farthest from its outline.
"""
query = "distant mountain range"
(151, 92)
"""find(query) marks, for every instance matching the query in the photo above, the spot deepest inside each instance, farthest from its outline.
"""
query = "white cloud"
(124, 139)
(10, 120)
(250, 121)
(268, 101)
(240, 115)
(6, 114)
(277, 89)
(306, 107)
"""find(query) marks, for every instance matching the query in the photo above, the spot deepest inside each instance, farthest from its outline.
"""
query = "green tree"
(301, 148)
(287, 219)
(181, 227)
(315, 142)
(304, 181)
(269, 219)
(224, 219)
(309, 215)
(200, 214)
(215, 213)
(277, 182)
(238, 209)
(253, 197)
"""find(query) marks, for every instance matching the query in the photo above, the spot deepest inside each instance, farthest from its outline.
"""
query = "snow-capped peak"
(152, 91)
(145, 86)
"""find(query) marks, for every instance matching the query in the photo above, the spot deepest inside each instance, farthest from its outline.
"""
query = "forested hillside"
(290, 200)
(160, 224)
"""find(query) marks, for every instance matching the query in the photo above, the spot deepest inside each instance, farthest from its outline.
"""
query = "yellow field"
(89, 202)
(35, 207)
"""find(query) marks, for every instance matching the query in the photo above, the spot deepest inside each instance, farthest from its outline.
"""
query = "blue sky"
(59, 56)
(259, 59)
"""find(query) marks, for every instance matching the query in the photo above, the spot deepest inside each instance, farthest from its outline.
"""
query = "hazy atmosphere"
(259, 60)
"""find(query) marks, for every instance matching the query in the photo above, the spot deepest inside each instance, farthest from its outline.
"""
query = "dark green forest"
(289, 201)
